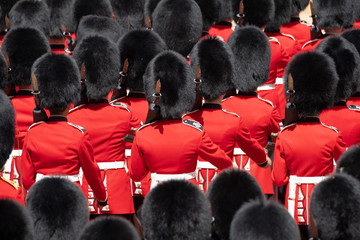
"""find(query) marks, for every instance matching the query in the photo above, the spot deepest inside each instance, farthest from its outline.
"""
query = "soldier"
(60, 15)
(5, 7)
(8, 189)
(56, 146)
(297, 28)
(176, 209)
(263, 220)
(179, 24)
(107, 124)
(169, 147)
(228, 193)
(137, 48)
(216, 61)
(332, 17)
(353, 36)
(306, 149)
(335, 208)
(223, 21)
(252, 59)
(349, 161)
(347, 60)
(58, 209)
(15, 221)
(129, 14)
(109, 228)
(34, 14)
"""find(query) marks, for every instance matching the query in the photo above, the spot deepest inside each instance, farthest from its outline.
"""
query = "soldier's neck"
(217, 100)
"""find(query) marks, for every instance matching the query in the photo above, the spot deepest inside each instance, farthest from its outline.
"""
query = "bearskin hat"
(60, 14)
(15, 221)
(282, 15)
(177, 85)
(257, 12)
(82, 8)
(3, 72)
(23, 46)
(347, 62)
(315, 80)
(216, 62)
(139, 47)
(176, 209)
(209, 12)
(353, 36)
(58, 78)
(334, 13)
(349, 162)
(7, 128)
(298, 5)
(252, 54)
(34, 14)
(335, 207)
(5, 6)
(227, 193)
(102, 64)
(109, 228)
(179, 23)
(99, 25)
(58, 208)
(263, 220)
(129, 13)
(149, 7)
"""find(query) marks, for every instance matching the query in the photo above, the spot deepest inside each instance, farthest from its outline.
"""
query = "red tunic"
(58, 49)
(173, 147)
(357, 24)
(107, 125)
(2, 35)
(354, 100)
(58, 147)
(10, 190)
(299, 29)
(305, 149)
(262, 119)
(346, 120)
(221, 29)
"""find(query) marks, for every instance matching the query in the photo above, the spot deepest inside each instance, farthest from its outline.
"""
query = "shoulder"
(120, 105)
(193, 124)
(35, 125)
(330, 127)
(309, 43)
(77, 127)
(9, 183)
(354, 108)
(288, 35)
(190, 114)
(274, 40)
(118, 99)
(145, 125)
(287, 127)
(305, 23)
(266, 101)
(76, 108)
(231, 113)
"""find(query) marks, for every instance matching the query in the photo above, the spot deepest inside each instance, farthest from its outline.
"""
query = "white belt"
(127, 152)
(206, 165)
(111, 165)
(295, 180)
(265, 87)
(238, 151)
(156, 178)
(14, 153)
(72, 178)
(279, 81)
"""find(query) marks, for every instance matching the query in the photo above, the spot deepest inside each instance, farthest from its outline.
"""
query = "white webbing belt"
(72, 178)
(8, 163)
(127, 152)
(279, 81)
(264, 87)
(205, 165)
(157, 178)
(293, 182)
(111, 165)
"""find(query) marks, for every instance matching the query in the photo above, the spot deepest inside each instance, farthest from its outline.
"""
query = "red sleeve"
(90, 168)
(339, 148)
(249, 145)
(213, 154)
(136, 164)
(27, 167)
(134, 121)
(275, 120)
(279, 172)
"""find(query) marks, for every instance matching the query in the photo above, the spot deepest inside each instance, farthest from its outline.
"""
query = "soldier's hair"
(7, 128)
(227, 193)
(263, 220)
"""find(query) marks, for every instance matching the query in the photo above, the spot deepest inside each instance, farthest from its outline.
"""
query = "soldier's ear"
(7, 23)
(148, 22)
(83, 72)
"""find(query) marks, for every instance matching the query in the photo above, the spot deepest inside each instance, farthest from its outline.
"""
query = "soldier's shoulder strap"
(354, 107)
(330, 127)
(232, 113)
(145, 125)
(267, 101)
(193, 124)
(76, 108)
(35, 124)
(81, 129)
(288, 126)
(11, 183)
(120, 104)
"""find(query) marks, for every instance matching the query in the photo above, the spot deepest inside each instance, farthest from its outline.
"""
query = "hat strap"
(154, 108)
(197, 81)
(241, 14)
(120, 90)
(39, 113)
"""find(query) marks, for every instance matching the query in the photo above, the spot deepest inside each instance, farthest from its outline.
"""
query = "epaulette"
(354, 107)
(267, 101)
(115, 100)
(120, 104)
(273, 39)
(226, 111)
(77, 107)
(193, 124)
(35, 124)
(13, 184)
(331, 127)
(81, 129)
(145, 125)
(309, 42)
(287, 126)
(288, 35)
